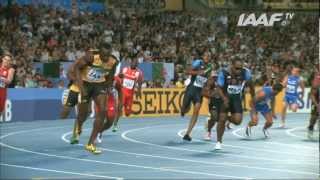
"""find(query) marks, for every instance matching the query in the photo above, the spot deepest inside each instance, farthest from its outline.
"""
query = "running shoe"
(115, 128)
(228, 126)
(266, 133)
(248, 131)
(93, 149)
(187, 138)
(74, 139)
(218, 146)
(99, 138)
(206, 124)
(207, 136)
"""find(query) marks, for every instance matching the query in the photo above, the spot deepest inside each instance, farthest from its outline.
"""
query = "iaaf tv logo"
(263, 19)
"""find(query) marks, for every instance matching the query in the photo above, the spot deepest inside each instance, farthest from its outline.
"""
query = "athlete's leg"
(253, 122)
(294, 107)
(119, 110)
(213, 119)
(194, 118)
(283, 114)
(313, 119)
(186, 103)
(65, 112)
(100, 102)
(221, 128)
(268, 123)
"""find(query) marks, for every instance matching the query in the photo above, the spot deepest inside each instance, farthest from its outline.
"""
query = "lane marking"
(100, 162)
(64, 138)
(180, 133)
(124, 136)
(289, 132)
(235, 133)
(58, 171)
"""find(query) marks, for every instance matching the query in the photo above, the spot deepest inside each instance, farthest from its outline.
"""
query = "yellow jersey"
(96, 72)
(74, 88)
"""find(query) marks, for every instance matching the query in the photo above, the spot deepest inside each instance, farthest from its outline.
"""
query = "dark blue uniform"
(233, 86)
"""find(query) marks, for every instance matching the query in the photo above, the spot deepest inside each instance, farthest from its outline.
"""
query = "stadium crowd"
(43, 34)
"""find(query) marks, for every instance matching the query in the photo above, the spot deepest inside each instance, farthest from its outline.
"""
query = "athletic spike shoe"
(248, 131)
(93, 149)
(207, 136)
(218, 146)
(266, 133)
(74, 139)
(187, 138)
(115, 128)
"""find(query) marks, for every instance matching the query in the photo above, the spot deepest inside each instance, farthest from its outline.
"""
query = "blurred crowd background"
(46, 34)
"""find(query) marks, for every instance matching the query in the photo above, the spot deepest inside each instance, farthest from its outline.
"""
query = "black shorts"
(71, 99)
(93, 90)
(193, 95)
(235, 105)
(215, 104)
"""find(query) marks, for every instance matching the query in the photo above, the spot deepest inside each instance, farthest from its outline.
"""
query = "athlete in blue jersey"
(260, 104)
(291, 83)
(231, 83)
(200, 71)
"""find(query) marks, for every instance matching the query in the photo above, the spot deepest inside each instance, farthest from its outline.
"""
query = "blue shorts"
(291, 99)
(262, 108)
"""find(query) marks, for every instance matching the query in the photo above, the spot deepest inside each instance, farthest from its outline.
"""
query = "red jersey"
(130, 78)
(4, 73)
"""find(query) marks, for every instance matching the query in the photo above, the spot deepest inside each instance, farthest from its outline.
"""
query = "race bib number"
(232, 89)
(200, 81)
(291, 89)
(95, 74)
(128, 83)
(65, 95)
(2, 83)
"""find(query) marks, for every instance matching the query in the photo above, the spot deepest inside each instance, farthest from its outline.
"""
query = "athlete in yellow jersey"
(92, 76)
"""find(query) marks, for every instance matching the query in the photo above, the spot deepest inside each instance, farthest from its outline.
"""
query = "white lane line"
(101, 162)
(289, 132)
(292, 145)
(58, 171)
(235, 133)
(180, 133)
(64, 138)
(124, 136)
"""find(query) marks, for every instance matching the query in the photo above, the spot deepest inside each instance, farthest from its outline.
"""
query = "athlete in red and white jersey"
(131, 77)
(6, 76)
